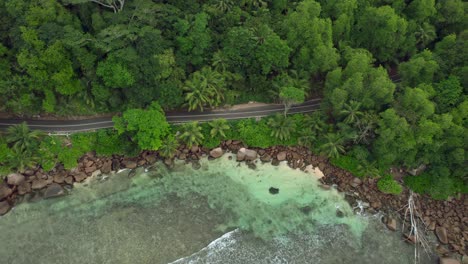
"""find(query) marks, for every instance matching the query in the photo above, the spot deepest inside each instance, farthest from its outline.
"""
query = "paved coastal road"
(70, 126)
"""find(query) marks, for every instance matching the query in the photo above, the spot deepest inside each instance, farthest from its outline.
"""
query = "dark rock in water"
(132, 173)
(339, 213)
(306, 209)
(34, 197)
(275, 162)
(251, 165)
(54, 190)
(196, 165)
(4, 207)
(4, 191)
(115, 165)
(265, 158)
(350, 199)
(169, 163)
(273, 190)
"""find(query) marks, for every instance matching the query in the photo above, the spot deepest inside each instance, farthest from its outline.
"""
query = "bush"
(387, 184)
(108, 142)
(349, 164)
(439, 187)
(208, 140)
(255, 134)
(418, 184)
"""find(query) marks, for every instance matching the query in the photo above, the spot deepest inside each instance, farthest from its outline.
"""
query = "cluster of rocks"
(448, 219)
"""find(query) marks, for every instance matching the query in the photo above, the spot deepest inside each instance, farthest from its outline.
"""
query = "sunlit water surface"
(222, 213)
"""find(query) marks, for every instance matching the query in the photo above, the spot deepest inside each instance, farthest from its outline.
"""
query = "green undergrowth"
(438, 187)
(348, 163)
(387, 184)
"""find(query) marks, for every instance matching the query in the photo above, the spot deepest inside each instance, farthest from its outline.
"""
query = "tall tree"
(281, 127)
(310, 38)
(332, 146)
(291, 95)
(169, 147)
(382, 32)
(421, 68)
(190, 134)
(147, 127)
(22, 138)
(204, 88)
(218, 128)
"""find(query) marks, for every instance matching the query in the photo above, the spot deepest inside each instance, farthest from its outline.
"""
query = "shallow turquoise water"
(163, 216)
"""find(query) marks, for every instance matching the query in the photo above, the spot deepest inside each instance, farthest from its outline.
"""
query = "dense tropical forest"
(393, 76)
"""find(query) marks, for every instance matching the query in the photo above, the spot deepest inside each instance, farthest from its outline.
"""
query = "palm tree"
(21, 137)
(224, 5)
(315, 123)
(20, 159)
(281, 127)
(306, 137)
(424, 34)
(218, 127)
(254, 3)
(333, 147)
(204, 88)
(366, 127)
(351, 112)
(196, 97)
(169, 148)
(219, 61)
(191, 134)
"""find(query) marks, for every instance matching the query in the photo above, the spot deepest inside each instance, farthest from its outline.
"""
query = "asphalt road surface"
(71, 126)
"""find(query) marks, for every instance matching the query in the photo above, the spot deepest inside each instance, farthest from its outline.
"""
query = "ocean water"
(223, 212)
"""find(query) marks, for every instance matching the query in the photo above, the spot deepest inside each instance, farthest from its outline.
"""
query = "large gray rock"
(24, 188)
(4, 207)
(246, 154)
(281, 156)
(216, 153)
(448, 261)
(15, 179)
(106, 166)
(79, 177)
(129, 164)
(39, 184)
(59, 177)
(265, 158)
(441, 233)
(54, 190)
(5, 191)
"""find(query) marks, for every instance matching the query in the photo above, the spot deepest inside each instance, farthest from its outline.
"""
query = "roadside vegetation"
(393, 76)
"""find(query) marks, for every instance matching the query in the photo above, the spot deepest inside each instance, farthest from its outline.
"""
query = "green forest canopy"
(393, 74)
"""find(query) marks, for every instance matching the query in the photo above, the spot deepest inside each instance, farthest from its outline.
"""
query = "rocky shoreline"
(447, 219)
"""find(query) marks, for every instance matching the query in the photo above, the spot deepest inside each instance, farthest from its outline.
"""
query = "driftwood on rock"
(416, 232)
